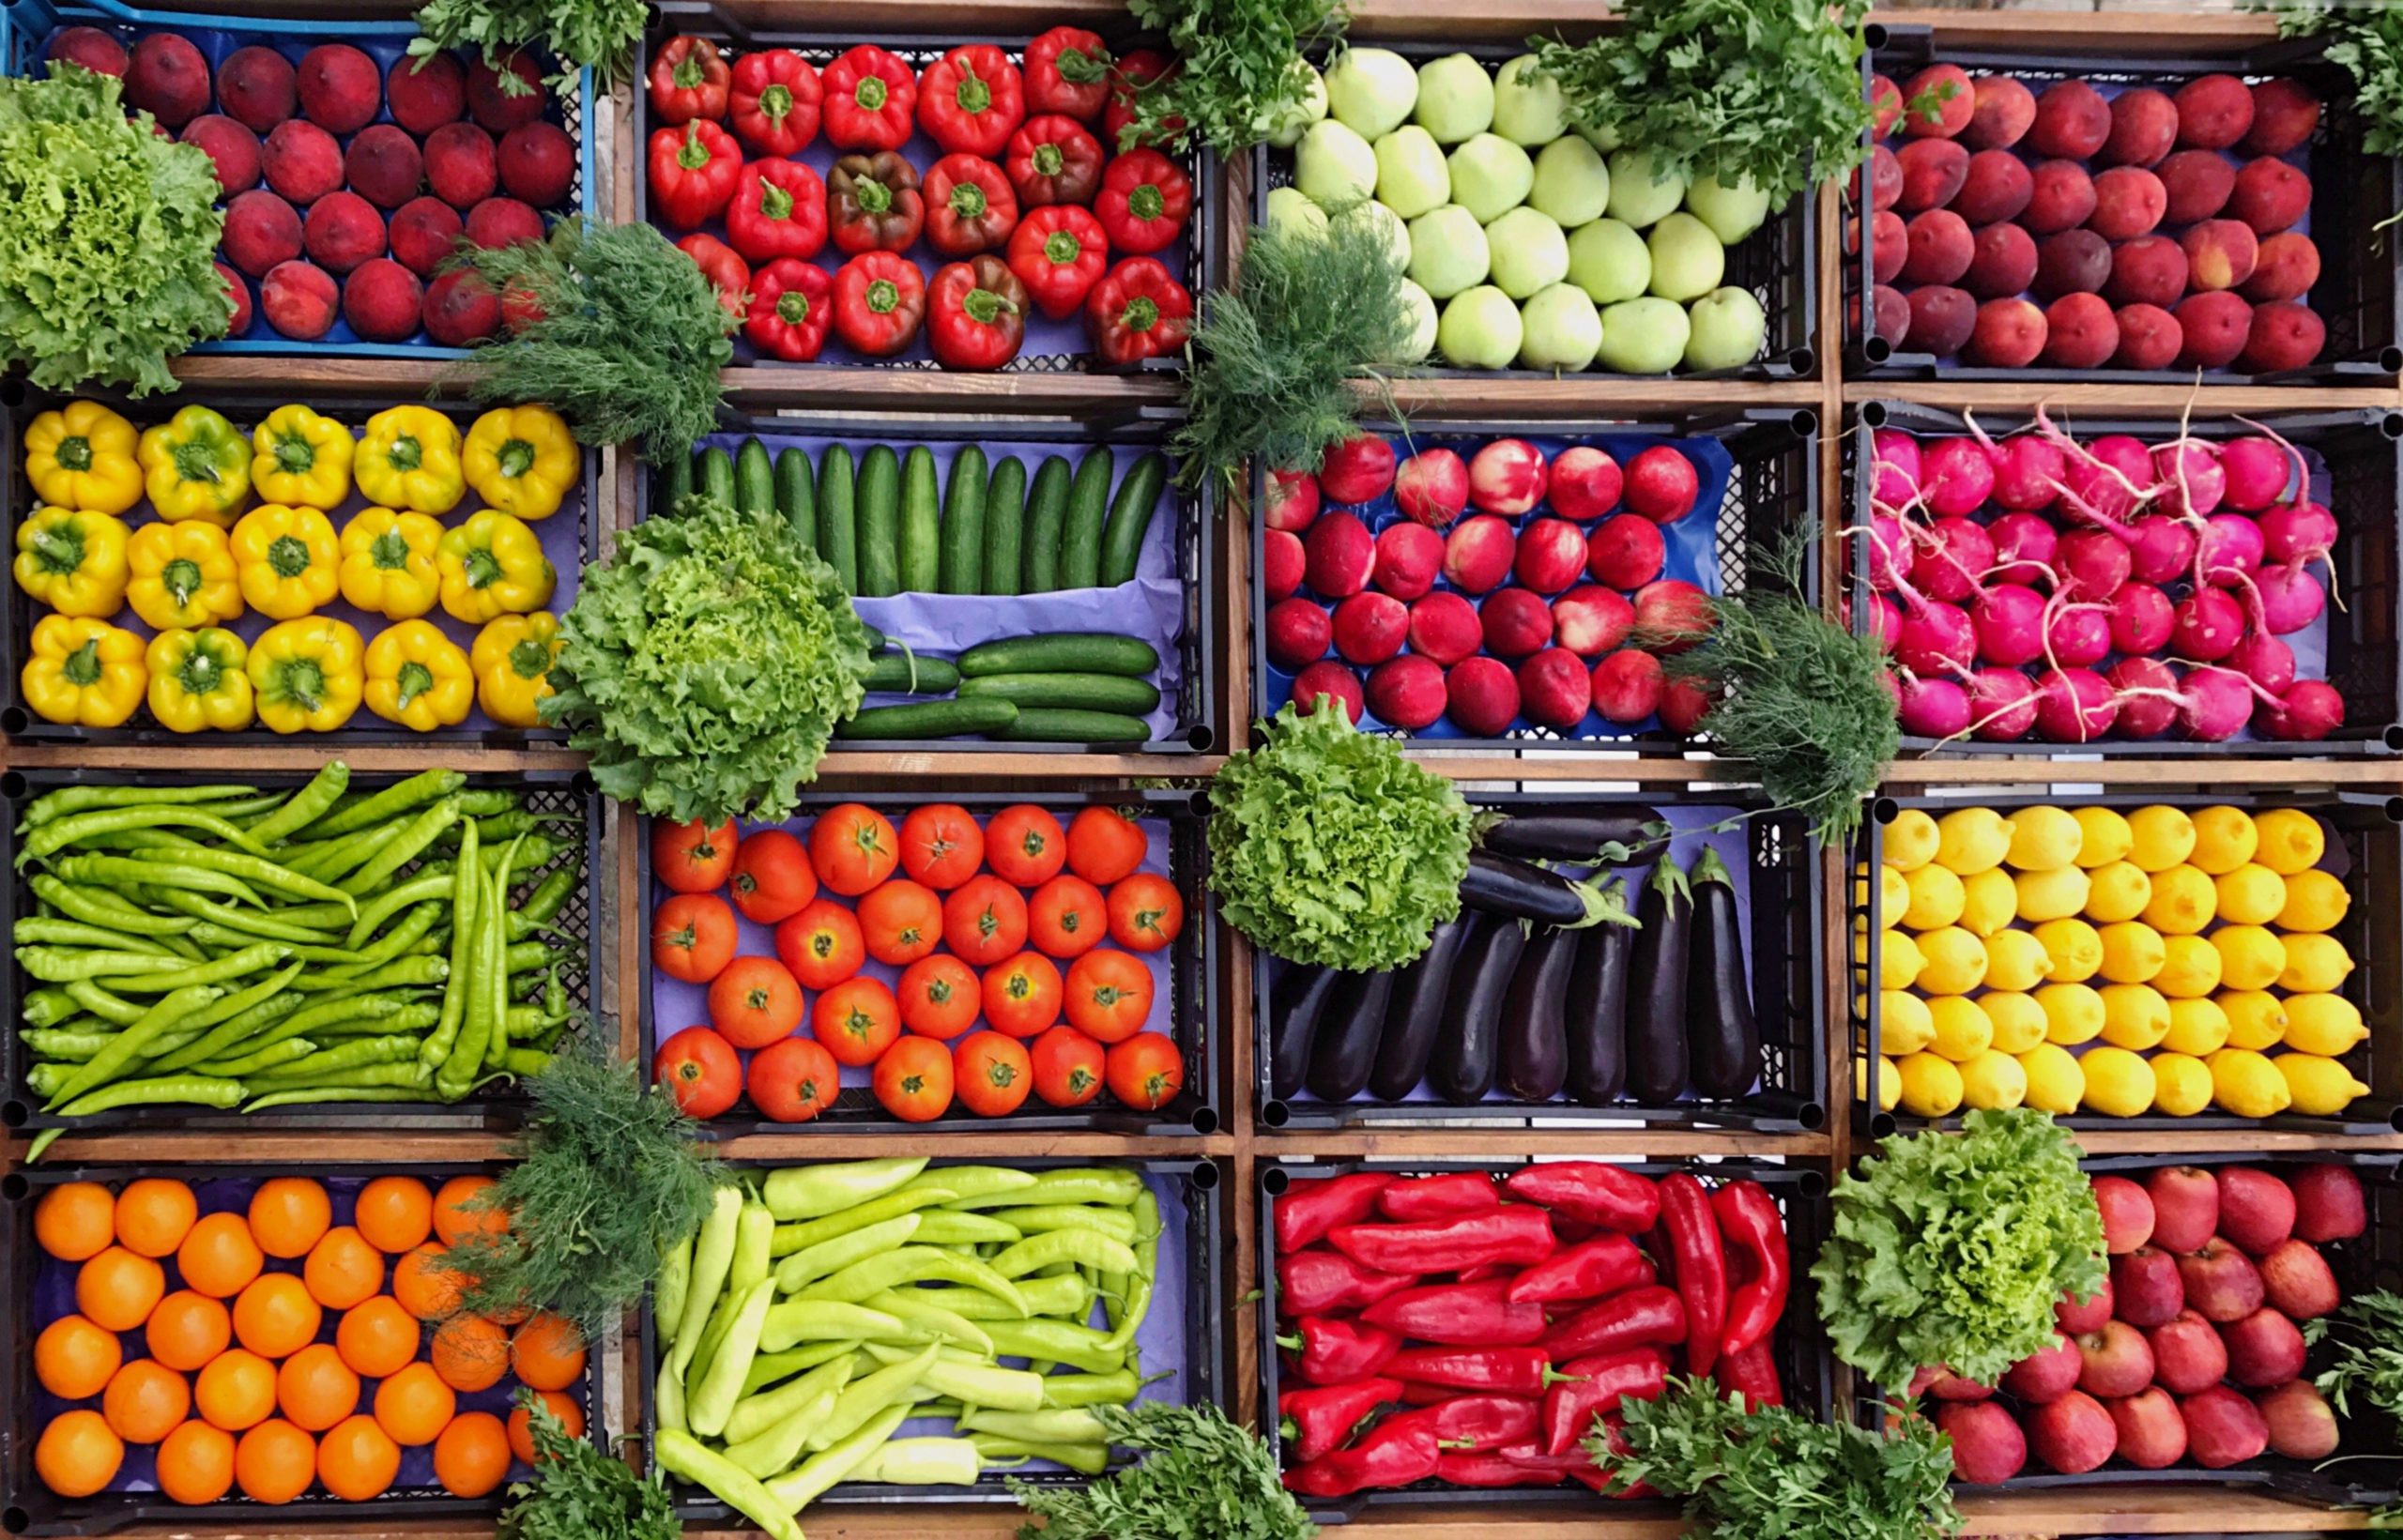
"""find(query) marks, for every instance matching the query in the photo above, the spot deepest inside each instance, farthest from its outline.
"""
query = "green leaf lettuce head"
(108, 238)
(1953, 1248)
(1202, 1478)
(1327, 846)
(705, 663)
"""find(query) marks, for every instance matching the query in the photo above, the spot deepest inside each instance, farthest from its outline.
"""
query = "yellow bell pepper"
(72, 560)
(512, 661)
(82, 456)
(419, 678)
(182, 576)
(288, 560)
(409, 458)
(388, 563)
(302, 459)
(196, 680)
(197, 466)
(309, 674)
(494, 565)
(83, 673)
(522, 460)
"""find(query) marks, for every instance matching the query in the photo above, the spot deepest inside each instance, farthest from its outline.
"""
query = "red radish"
(1370, 627)
(1281, 563)
(2160, 549)
(2078, 635)
(2294, 533)
(1898, 464)
(1936, 639)
(1340, 554)
(1888, 546)
(2023, 545)
(1885, 622)
(1482, 695)
(2110, 475)
(1407, 692)
(2311, 710)
(2208, 627)
(1477, 553)
(1507, 477)
(1671, 616)
(1586, 484)
(2147, 695)
(2228, 552)
(1626, 552)
(1516, 623)
(2142, 620)
(1550, 556)
(1661, 484)
(2257, 470)
(1893, 687)
(2002, 705)
(2290, 599)
(2191, 480)
(1431, 487)
(1358, 470)
(2266, 661)
(1627, 686)
(1591, 620)
(1329, 678)
(2028, 472)
(1554, 689)
(1957, 478)
(2010, 624)
(1298, 632)
(1950, 563)
(1408, 558)
(1683, 702)
(1934, 708)
(2073, 705)
(2218, 704)
(2092, 564)
(1445, 627)
(1293, 501)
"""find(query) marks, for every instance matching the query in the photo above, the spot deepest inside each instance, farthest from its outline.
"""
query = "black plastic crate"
(32, 1508)
(1193, 989)
(1201, 1294)
(2365, 849)
(2365, 658)
(548, 791)
(570, 536)
(1782, 910)
(2360, 292)
(1805, 1364)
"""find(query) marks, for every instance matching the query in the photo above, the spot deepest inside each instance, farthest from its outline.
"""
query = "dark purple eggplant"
(1632, 836)
(1346, 1046)
(1535, 1022)
(1655, 988)
(1462, 1066)
(1295, 1007)
(1524, 891)
(1724, 1042)
(1597, 1013)
(1414, 1015)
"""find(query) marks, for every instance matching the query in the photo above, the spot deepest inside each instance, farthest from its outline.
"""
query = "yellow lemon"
(2250, 895)
(2314, 901)
(2133, 951)
(2248, 1085)
(2119, 1084)
(1904, 1025)
(1993, 1080)
(2103, 836)
(2328, 1025)
(2249, 956)
(2320, 1087)
(2183, 901)
(1933, 898)
(2256, 1019)
(2018, 1020)
(1898, 959)
(2289, 840)
(2225, 839)
(2072, 1013)
(2118, 892)
(1889, 1082)
(2181, 1085)
(2134, 1015)
(1955, 961)
(2315, 965)
(2043, 838)
(2196, 1027)
(1931, 1086)
(2074, 947)
(2189, 968)
(1989, 901)
(2053, 894)
(2160, 837)
(1971, 839)
(1962, 1030)
(2016, 960)
(1910, 842)
(2055, 1083)
(1893, 895)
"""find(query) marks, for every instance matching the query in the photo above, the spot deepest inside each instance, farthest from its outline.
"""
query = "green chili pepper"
(915, 1264)
(1117, 1224)
(465, 888)
(62, 832)
(1116, 1388)
(1082, 1247)
(282, 927)
(55, 1042)
(795, 1321)
(306, 805)
(1068, 1295)
(808, 1265)
(326, 859)
(496, 978)
(279, 1015)
(712, 1402)
(407, 973)
(1055, 1427)
(411, 842)
(398, 1076)
(1068, 1186)
(756, 1415)
(914, 1306)
(970, 1377)
(298, 1097)
(767, 1368)
(1134, 1296)
(234, 965)
(971, 1182)
(394, 800)
(1089, 1459)
(426, 885)
(713, 1255)
(797, 1488)
(875, 1211)
(274, 1054)
(864, 1398)
(388, 1049)
(75, 933)
(924, 1462)
(668, 1400)
(103, 907)
(812, 1192)
(52, 1005)
(551, 895)
(66, 799)
(1061, 1341)
(679, 1452)
(222, 1094)
(102, 1066)
(949, 1227)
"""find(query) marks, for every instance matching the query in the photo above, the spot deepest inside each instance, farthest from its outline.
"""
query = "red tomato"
(692, 936)
(793, 1081)
(913, 1079)
(1023, 994)
(1068, 1067)
(856, 1020)
(1066, 917)
(1105, 844)
(1145, 912)
(772, 877)
(1146, 1070)
(940, 844)
(901, 922)
(1025, 845)
(1109, 995)
(852, 849)
(985, 920)
(992, 1072)
(701, 1070)
(939, 997)
(691, 857)
(821, 944)
(753, 1002)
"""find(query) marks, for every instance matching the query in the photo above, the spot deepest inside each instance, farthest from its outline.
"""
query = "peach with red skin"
(1626, 552)
(2149, 337)
(460, 165)
(1671, 616)
(2215, 326)
(1409, 556)
(1999, 187)
(1478, 554)
(2148, 271)
(2061, 197)
(1888, 244)
(2073, 1435)
(1891, 311)
(1942, 319)
(1885, 106)
(341, 231)
(2329, 1203)
(1938, 102)
(2213, 112)
(256, 87)
(261, 231)
(2270, 196)
(1586, 484)
(2002, 262)
(1445, 627)
(1341, 554)
(1507, 477)
(1329, 678)
(1370, 627)
(1358, 470)
(2284, 336)
(1661, 484)
(1554, 690)
(2220, 253)
(90, 48)
(1281, 561)
(2286, 113)
(2144, 128)
(1934, 171)
(233, 149)
(384, 165)
(2080, 331)
(1431, 487)
(239, 293)
(1515, 621)
(301, 161)
(2196, 184)
(1684, 704)
(537, 163)
(166, 77)
(2151, 1434)
(1987, 1443)
(1297, 633)
(1591, 620)
(2128, 203)
(426, 93)
(1293, 501)
(2009, 334)
(1880, 181)
(2188, 1354)
(1481, 694)
(2256, 1209)
(383, 301)
(2223, 1428)
(1940, 246)
(2298, 1421)
(2005, 109)
(497, 110)
(424, 232)
(1407, 692)
(2287, 268)
(502, 221)
(341, 88)
(2073, 121)
(461, 308)
(300, 300)
(2071, 261)
(1627, 686)
(2264, 1348)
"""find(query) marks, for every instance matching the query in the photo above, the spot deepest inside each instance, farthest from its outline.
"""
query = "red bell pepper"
(1512, 1233)
(1700, 1266)
(693, 171)
(1477, 1422)
(1067, 71)
(1308, 1209)
(778, 210)
(880, 299)
(1386, 1457)
(1590, 1192)
(1504, 1371)
(688, 80)
(1603, 1382)
(1059, 251)
(1590, 1270)
(873, 203)
(1652, 1315)
(1128, 77)
(1144, 201)
(774, 103)
(1319, 1418)
(1313, 1282)
(976, 313)
(1438, 1196)
(1751, 1373)
(1474, 1468)
(723, 266)
(1755, 1236)
(872, 99)
(1139, 311)
(1054, 160)
(971, 100)
(1334, 1352)
(970, 206)
(1468, 1314)
(792, 303)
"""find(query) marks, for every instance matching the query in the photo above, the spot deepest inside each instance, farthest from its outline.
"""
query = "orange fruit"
(235, 1390)
(73, 1358)
(358, 1460)
(342, 1269)
(424, 1292)
(275, 1462)
(376, 1336)
(394, 1213)
(453, 1219)
(549, 1352)
(186, 1329)
(154, 1214)
(75, 1220)
(275, 1316)
(471, 1459)
(414, 1406)
(145, 1401)
(315, 1389)
(521, 1424)
(118, 1290)
(77, 1455)
(196, 1464)
(218, 1258)
(471, 1353)
(288, 1213)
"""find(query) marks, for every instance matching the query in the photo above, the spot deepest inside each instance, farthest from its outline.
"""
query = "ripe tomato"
(940, 844)
(1146, 1070)
(793, 1081)
(1105, 844)
(992, 1072)
(1023, 994)
(753, 1002)
(901, 922)
(692, 936)
(852, 849)
(772, 877)
(856, 1020)
(1025, 845)
(691, 857)
(1066, 917)
(701, 1070)
(985, 920)
(1145, 912)
(939, 997)
(1109, 995)
(913, 1079)
(1068, 1067)
(821, 944)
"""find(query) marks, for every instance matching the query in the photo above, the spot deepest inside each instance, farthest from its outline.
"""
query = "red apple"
(2127, 1214)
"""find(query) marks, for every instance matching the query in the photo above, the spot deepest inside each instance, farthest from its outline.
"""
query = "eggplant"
(1724, 1042)
(1345, 1049)
(1535, 1018)
(1597, 1014)
(1295, 1008)
(1655, 988)
(1462, 1065)
(1415, 1013)
(1632, 836)
(1506, 885)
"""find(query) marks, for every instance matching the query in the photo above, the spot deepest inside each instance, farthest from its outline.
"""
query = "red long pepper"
(1514, 1232)
(1591, 1269)
(1604, 1380)
(1439, 1197)
(1615, 1438)
(1652, 1315)
(1591, 1191)
(1388, 1456)
(1752, 1372)
(1578, 1462)
(1319, 1418)
(1467, 1314)
(1477, 1422)
(1504, 1371)
(1313, 1282)
(1700, 1266)
(1755, 1236)
(1336, 1352)
(1307, 1209)
(1477, 1468)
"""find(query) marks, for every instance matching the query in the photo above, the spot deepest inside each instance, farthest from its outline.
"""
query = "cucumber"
(1004, 526)
(1064, 691)
(1080, 537)
(838, 530)
(931, 719)
(1047, 510)
(921, 539)
(1131, 515)
(1062, 652)
(717, 476)
(963, 522)
(879, 518)
(1048, 726)
(675, 482)
(754, 478)
(911, 674)
(796, 499)
(876, 639)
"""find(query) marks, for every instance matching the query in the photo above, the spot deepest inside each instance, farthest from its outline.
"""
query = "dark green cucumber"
(1131, 515)
(963, 522)
(838, 530)
(921, 523)
(931, 719)
(1062, 652)
(876, 639)
(1047, 510)
(717, 476)
(754, 478)
(675, 482)
(1080, 537)
(879, 518)
(913, 674)
(1047, 726)
(1004, 526)
(796, 498)
(1065, 691)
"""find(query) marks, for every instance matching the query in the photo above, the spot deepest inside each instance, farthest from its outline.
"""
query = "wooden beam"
(763, 387)
(2102, 397)
(1498, 1143)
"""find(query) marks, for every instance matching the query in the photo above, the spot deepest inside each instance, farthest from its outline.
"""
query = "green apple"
(1334, 166)
(1564, 330)
(1728, 329)
(1609, 261)
(1421, 306)
(1644, 336)
(1383, 223)
(1480, 329)
(1372, 90)
(1732, 212)
(1687, 262)
(1528, 106)
(1411, 177)
(1640, 192)
(1572, 183)
(1455, 98)
(1490, 175)
(1529, 252)
(1285, 130)
(1448, 250)
(1290, 209)
(1604, 140)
